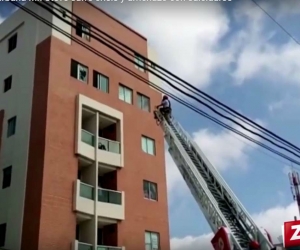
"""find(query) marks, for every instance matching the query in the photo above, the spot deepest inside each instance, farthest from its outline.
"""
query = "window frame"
(150, 233)
(96, 82)
(3, 229)
(148, 139)
(125, 88)
(6, 183)
(7, 80)
(80, 27)
(139, 60)
(12, 43)
(139, 95)
(77, 64)
(14, 118)
(148, 185)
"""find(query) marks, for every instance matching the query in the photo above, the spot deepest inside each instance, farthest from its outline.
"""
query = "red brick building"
(82, 160)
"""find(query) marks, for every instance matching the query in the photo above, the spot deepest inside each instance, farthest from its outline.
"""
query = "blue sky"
(234, 52)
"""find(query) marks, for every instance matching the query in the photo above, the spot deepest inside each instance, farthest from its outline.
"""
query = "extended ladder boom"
(217, 201)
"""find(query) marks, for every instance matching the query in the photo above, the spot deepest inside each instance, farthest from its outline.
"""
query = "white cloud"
(189, 41)
(286, 169)
(1, 19)
(287, 104)
(223, 149)
(275, 105)
(254, 52)
(271, 220)
(185, 37)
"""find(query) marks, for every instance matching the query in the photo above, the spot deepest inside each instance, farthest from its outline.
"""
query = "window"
(11, 126)
(7, 84)
(139, 62)
(83, 30)
(125, 94)
(148, 145)
(143, 102)
(12, 43)
(101, 82)
(79, 71)
(150, 190)
(151, 240)
(2, 234)
(6, 177)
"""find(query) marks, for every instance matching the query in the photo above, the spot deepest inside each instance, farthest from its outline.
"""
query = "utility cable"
(276, 22)
(172, 85)
(177, 79)
(91, 49)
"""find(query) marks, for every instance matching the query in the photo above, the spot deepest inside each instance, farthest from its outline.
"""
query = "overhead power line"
(109, 44)
(276, 22)
(186, 85)
(91, 49)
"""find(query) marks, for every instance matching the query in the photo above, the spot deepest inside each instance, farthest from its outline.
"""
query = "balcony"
(110, 203)
(99, 124)
(108, 154)
(85, 246)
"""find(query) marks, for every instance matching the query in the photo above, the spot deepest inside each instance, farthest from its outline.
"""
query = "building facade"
(82, 160)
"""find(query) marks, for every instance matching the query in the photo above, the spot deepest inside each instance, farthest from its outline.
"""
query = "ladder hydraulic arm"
(217, 201)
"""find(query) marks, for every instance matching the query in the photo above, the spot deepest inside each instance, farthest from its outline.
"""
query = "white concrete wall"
(152, 55)
(20, 63)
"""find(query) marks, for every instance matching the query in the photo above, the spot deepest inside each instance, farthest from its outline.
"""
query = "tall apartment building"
(82, 160)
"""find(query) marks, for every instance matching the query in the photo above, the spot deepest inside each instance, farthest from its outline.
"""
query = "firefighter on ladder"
(165, 108)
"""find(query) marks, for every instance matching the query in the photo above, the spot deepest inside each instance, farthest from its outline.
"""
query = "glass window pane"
(140, 101)
(146, 189)
(144, 144)
(104, 84)
(11, 129)
(150, 146)
(153, 191)
(141, 61)
(154, 240)
(121, 93)
(128, 96)
(147, 238)
(146, 105)
(136, 61)
(82, 73)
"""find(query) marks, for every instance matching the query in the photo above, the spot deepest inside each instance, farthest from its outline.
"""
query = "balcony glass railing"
(109, 196)
(86, 191)
(87, 137)
(84, 246)
(111, 146)
(103, 143)
(108, 248)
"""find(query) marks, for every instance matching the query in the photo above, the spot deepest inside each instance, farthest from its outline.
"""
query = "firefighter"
(165, 106)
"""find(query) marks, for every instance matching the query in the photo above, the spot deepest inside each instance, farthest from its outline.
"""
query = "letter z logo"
(291, 234)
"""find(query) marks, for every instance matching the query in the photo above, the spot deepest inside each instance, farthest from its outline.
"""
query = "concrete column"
(95, 219)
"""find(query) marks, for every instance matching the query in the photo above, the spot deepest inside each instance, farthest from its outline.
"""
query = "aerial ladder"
(232, 225)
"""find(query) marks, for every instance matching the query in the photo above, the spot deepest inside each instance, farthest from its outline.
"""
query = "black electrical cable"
(172, 85)
(276, 22)
(205, 97)
(150, 83)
